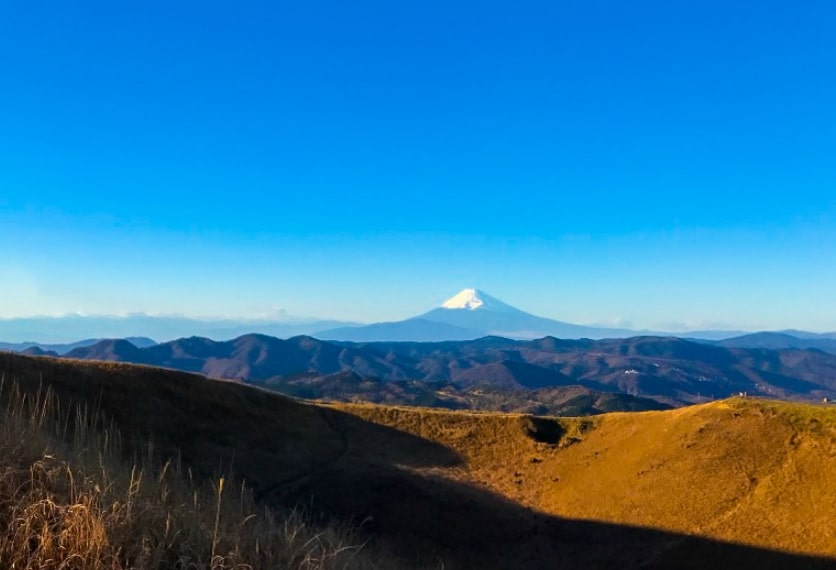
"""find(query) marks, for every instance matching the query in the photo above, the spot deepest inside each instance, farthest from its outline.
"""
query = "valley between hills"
(734, 483)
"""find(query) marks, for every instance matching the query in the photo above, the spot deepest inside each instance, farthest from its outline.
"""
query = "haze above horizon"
(651, 165)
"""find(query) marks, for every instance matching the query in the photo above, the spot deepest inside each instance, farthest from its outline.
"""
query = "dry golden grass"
(474, 490)
(749, 471)
(69, 501)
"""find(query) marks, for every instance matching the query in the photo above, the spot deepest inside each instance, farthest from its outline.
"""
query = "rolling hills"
(670, 370)
(736, 483)
(553, 401)
(778, 341)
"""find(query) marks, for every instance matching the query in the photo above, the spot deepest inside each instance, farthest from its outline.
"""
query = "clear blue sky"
(657, 163)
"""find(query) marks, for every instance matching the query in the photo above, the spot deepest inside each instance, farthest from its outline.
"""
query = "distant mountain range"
(669, 370)
(41, 331)
(474, 314)
(58, 349)
(469, 315)
(780, 340)
(477, 352)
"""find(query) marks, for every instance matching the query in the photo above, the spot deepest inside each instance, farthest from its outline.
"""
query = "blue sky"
(650, 163)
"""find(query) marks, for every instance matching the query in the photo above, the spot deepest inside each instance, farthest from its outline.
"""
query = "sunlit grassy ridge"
(68, 499)
(744, 470)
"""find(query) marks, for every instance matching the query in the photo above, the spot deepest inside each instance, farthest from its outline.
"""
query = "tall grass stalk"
(69, 500)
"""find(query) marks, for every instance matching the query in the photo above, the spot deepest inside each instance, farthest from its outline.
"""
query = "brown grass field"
(738, 483)
(753, 472)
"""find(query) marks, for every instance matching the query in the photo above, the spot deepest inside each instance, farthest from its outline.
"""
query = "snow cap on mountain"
(466, 299)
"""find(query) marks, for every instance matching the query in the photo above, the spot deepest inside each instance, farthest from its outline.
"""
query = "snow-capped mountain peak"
(465, 299)
(469, 300)
(470, 314)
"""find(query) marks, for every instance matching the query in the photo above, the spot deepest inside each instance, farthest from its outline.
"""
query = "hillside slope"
(742, 470)
(668, 489)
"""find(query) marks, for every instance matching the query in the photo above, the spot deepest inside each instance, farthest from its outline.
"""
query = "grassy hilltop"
(742, 483)
(80, 493)
(743, 470)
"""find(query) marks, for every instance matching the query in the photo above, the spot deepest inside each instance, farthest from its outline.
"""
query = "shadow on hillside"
(340, 464)
(214, 425)
(426, 516)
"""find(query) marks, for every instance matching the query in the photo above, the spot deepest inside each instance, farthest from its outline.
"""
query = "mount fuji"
(468, 315)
